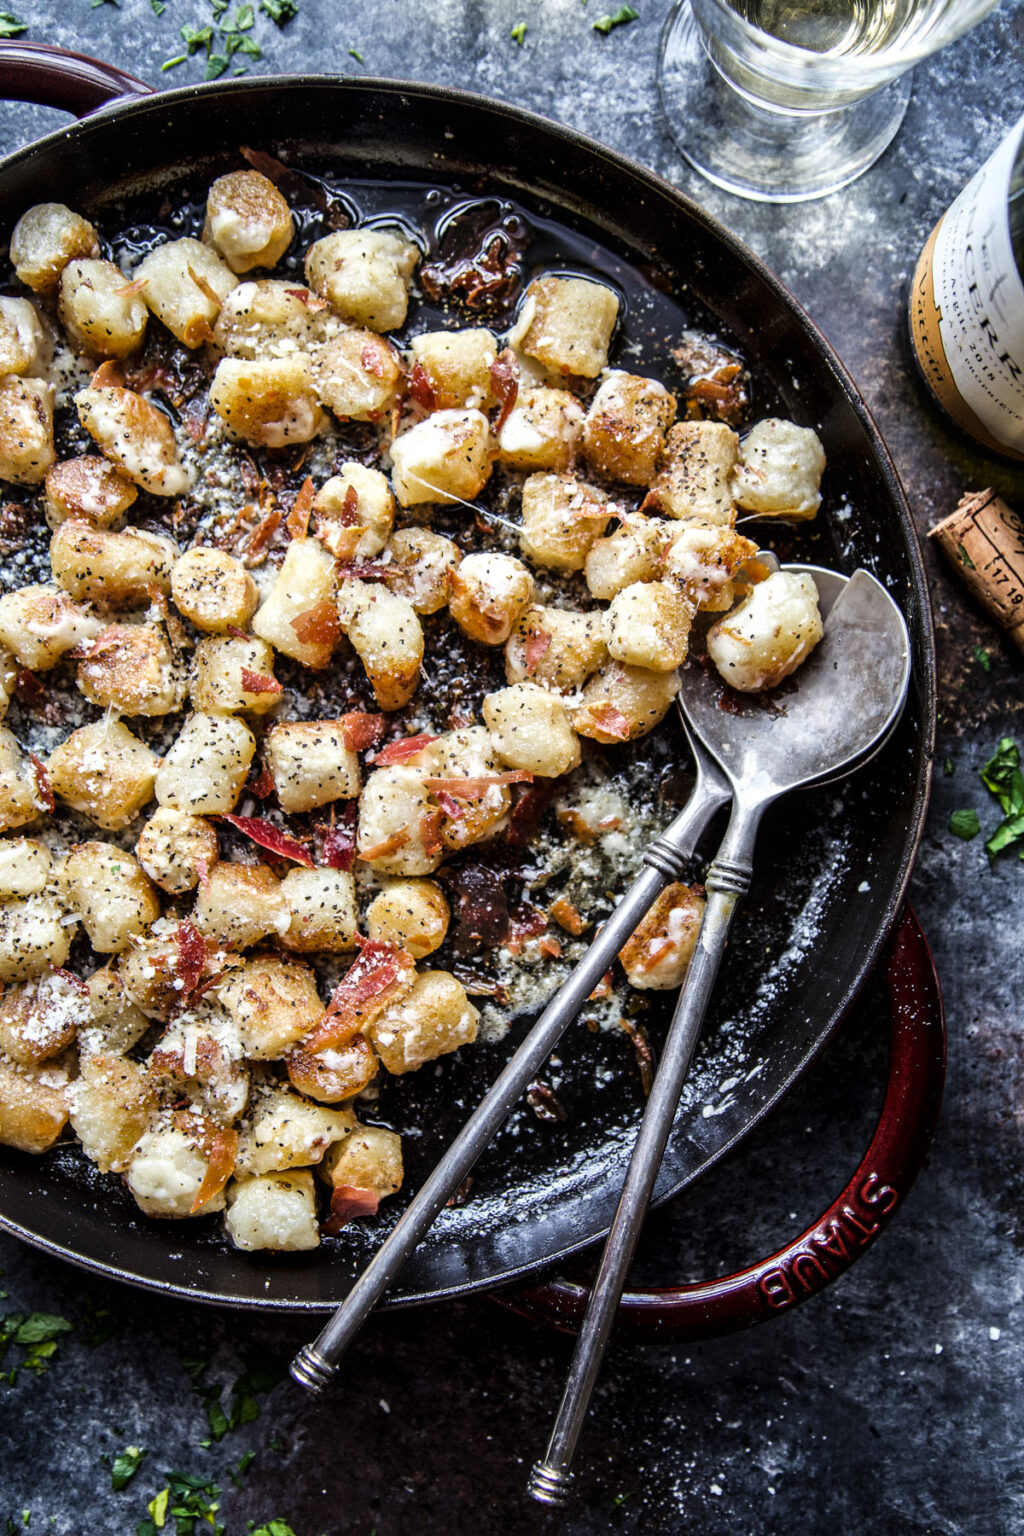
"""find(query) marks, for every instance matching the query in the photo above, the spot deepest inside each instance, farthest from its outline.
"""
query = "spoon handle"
(315, 1363)
(727, 880)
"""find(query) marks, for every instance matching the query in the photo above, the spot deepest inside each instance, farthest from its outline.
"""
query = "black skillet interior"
(832, 864)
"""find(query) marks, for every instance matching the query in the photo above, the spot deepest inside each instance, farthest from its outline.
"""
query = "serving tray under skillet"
(832, 865)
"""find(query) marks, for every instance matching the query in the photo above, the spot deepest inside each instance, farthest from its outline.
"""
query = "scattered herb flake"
(245, 19)
(355, 54)
(519, 32)
(97, 3)
(217, 1420)
(948, 768)
(179, 58)
(280, 11)
(197, 37)
(41, 1328)
(274, 1528)
(624, 14)
(216, 64)
(982, 657)
(965, 558)
(965, 824)
(126, 1464)
(11, 25)
(1002, 775)
(158, 1508)
(158, 7)
(244, 1463)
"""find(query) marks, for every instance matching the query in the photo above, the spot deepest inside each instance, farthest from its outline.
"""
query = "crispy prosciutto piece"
(364, 570)
(538, 642)
(255, 544)
(389, 846)
(190, 957)
(420, 388)
(360, 730)
(505, 384)
(318, 625)
(338, 839)
(528, 812)
(44, 789)
(398, 751)
(480, 908)
(430, 832)
(266, 835)
(611, 723)
(259, 682)
(473, 789)
(297, 521)
(313, 302)
(448, 803)
(221, 1149)
(262, 786)
(380, 975)
(348, 1203)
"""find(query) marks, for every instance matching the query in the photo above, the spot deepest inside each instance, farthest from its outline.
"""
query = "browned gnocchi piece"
(531, 729)
(239, 904)
(562, 518)
(310, 764)
(274, 1210)
(112, 1103)
(489, 593)
(399, 827)
(566, 323)
(365, 275)
(455, 368)
(358, 375)
(99, 310)
(632, 552)
(626, 426)
(248, 222)
(185, 283)
(131, 668)
(769, 635)
(232, 673)
(322, 911)
(26, 429)
(98, 565)
(648, 625)
(445, 458)
(109, 893)
(25, 867)
(694, 478)
(44, 240)
(213, 590)
(368, 1159)
(287, 1131)
(205, 769)
(33, 1107)
(333, 1075)
(265, 319)
(420, 567)
(135, 435)
(555, 648)
(386, 635)
(34, 938)
(354, 512)
(174, 848)
(299, 616)
(622, 703)
(39, 1019)
(25, 346)
(273, 1003)
(104, 772)
(39, 625)
(88, 488)
(436, 1017)
(544, 430)
(657, 954)
(413, 914)
(269, 401)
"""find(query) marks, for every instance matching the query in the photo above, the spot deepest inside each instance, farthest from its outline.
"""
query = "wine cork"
(984, 542)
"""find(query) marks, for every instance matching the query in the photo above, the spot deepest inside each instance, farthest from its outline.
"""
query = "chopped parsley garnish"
(948, 768)
(355, 54)
(965, 558)
(197, 37)
(245, 19)
(158, 7)
(179, 58)
(37, 1335)
(187, 1500)
(982, 657)
(11, 26)
(624, 14)
(519, 32)
(274, 1528)
(216, 64)
(965, 824)
(1002, 776)
(280, 10)
(126, 1464)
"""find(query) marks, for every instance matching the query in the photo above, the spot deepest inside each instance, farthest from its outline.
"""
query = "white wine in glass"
(784, 100)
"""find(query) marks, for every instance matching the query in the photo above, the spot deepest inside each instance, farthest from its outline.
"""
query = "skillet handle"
(55, 77)
(830, 1246)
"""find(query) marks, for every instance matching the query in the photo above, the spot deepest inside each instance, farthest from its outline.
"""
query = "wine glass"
(785, 100)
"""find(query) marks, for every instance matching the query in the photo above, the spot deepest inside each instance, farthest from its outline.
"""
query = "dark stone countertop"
(890, 1403)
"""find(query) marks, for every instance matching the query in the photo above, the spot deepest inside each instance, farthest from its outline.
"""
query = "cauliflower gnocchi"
(289, 563)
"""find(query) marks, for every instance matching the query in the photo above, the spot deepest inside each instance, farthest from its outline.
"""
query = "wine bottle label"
(967, 310)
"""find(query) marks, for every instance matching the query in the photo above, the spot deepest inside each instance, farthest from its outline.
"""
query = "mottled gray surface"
(889, 1405)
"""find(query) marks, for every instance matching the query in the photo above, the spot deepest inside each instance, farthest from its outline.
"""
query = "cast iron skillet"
(833, 865)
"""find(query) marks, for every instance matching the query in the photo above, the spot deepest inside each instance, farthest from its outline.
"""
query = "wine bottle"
(967, 304)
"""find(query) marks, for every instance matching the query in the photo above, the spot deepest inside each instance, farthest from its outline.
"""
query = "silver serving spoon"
(849, 696)
(665, 861)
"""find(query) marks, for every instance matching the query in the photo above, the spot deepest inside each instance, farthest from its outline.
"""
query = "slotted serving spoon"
(665, 861)
(848, 697)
